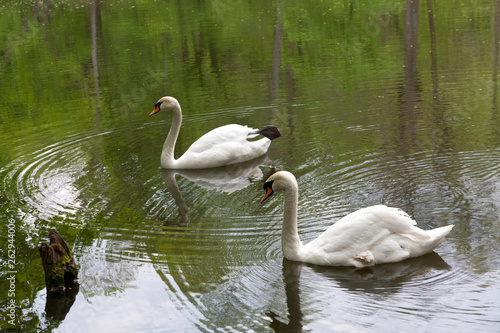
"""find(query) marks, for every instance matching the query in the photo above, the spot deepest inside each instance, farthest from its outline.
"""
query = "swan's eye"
(157, 105)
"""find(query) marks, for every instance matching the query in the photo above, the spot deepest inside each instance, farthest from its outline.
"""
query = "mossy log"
(58, 263)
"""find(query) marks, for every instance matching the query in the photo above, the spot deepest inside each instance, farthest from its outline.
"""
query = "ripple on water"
(229, 257)
(41, 184)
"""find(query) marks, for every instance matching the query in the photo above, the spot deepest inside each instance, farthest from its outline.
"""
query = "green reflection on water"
(336, 77)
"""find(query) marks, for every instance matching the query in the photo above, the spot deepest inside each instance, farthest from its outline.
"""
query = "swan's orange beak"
(156, 110)
(269, 191)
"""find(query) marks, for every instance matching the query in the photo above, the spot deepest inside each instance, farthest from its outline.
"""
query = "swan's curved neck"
(290, 241)
(167, 154)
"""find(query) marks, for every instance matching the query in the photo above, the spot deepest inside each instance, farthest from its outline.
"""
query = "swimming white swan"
(369, 236)
(224, 145)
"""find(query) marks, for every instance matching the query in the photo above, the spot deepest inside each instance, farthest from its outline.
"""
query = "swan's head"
(165, 103)
(280, 181)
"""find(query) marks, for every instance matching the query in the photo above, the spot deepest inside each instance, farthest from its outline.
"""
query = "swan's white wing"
(219, 136)
(365, 230)
(223, 146)
(366, 224)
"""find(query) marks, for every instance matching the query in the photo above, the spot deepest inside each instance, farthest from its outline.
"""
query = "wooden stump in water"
(58, 263)
(60, 276)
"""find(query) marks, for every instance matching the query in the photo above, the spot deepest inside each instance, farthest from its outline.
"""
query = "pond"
(378, 102)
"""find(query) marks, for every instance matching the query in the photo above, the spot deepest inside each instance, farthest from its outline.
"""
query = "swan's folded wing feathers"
(398, 222)
(220, 135)
(355, 232)
(215, 149)
(365, 229)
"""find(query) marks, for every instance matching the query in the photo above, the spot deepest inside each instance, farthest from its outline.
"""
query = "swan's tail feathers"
(270, 132)
(437, 235)
(441, 232)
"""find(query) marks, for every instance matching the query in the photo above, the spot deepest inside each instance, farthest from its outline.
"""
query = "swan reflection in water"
(378, 279)
(226, 179)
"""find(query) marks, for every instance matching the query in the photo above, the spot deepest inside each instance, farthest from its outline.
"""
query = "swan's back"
(222, 146)
(220, 135)
(372, 235)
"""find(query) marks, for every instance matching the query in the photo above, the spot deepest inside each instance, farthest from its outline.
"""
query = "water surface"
(377, 103)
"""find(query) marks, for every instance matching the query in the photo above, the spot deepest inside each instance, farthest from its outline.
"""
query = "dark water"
(382, 102)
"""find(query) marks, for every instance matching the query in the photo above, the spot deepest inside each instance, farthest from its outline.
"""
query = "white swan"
(224, 145)
(369, 236)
